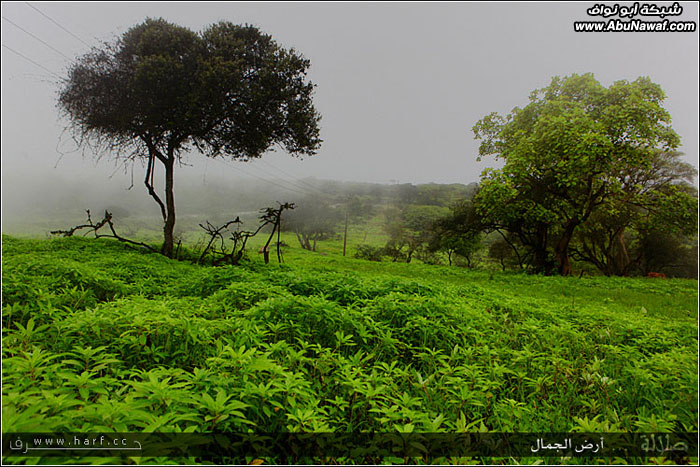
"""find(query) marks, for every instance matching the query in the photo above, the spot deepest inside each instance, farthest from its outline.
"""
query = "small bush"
(369, 252)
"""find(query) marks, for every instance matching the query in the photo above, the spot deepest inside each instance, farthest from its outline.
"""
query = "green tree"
(312, 220)
(502, 251)
(409, 229)
(576, 149)
(458, 233)
(406, 193)
(161, 90)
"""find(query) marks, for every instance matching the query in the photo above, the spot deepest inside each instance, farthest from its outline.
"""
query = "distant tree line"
(624, 244)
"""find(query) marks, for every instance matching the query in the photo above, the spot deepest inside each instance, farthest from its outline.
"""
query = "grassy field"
(99, 337)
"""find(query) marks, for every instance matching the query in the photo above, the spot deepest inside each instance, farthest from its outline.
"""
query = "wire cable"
(31, 61)
(288, 185)
(38, 39)
(297, 180)
(56, 23)
(294, 186)
(231, 165)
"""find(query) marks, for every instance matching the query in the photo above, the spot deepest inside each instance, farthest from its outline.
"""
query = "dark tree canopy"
(615, 239)
(161, 90)
(458, 233)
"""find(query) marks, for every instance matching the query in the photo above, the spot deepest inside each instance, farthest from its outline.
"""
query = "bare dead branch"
(216, 246)
(94, 228)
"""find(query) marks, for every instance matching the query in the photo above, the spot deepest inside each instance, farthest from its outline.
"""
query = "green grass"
(99, 337)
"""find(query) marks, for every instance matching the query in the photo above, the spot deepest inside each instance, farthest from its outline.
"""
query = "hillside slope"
(98, 337)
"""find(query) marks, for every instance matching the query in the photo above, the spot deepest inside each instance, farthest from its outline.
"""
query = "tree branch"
(107, 220)
(148, 181)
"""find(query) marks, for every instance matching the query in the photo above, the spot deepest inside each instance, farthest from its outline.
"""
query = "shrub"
(369, 252)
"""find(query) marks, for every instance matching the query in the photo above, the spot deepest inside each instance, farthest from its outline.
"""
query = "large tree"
(161, 90)
(578, 148)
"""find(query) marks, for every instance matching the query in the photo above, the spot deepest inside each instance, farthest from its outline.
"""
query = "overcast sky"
(399, 86)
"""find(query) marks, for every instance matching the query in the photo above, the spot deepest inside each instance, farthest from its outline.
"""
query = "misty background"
(399, 87)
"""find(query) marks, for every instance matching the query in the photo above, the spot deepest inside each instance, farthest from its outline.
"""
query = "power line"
(31, 61)
(287, 182)
(297, 180)
(259, 178)
(298, 184)
(56, 23)
(38, 39)
(287, 188)
(288, 185)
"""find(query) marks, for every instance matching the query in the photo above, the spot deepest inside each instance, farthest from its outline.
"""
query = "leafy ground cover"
(98, 337)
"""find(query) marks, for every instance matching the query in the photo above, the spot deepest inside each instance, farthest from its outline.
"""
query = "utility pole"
(345, 237)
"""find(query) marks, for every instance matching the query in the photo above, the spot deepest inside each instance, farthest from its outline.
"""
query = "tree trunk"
(540, 250)
(512, 247)
(169, 227)
(266, 248)
(622, 256)
(561, 251)
(562, 258)
(279, 229)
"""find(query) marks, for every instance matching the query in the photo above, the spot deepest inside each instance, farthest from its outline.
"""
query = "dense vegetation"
(99, 337)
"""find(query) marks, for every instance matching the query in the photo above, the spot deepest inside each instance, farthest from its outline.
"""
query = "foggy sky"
(399, 86)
